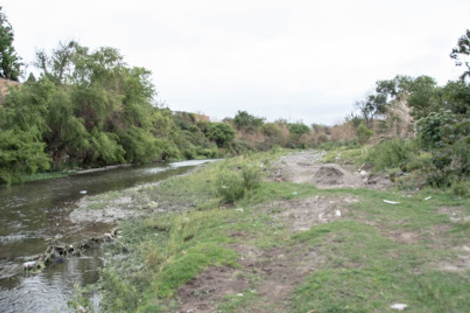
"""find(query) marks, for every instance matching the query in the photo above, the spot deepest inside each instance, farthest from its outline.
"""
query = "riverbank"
(26, 178)
(306, 237)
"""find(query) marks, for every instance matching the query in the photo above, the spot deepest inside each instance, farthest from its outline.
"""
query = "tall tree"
(10, 62)
(461, 52)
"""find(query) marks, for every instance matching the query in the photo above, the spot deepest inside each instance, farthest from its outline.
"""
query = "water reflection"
(32, 213)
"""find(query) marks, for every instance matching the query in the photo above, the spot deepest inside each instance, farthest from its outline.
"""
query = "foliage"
(233, 185)
(438, 128)
(247, 122)
(461, 53)
(271, 129)
(422, 96)
(391, 153)
(10, 62)
(363, 133)
(221, 133)
(298, 129)
(21, 152)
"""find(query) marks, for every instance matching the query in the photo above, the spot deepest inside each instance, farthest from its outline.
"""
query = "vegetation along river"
(34, 214)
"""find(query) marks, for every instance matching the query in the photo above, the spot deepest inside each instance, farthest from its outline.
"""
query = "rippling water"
(33, 213)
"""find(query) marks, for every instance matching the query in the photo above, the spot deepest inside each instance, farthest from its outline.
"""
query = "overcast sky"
(299, 60)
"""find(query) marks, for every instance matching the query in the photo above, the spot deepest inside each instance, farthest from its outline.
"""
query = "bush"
(461, 188)
(392, 153)
(363, 133)
(221, 133)
(232, 185)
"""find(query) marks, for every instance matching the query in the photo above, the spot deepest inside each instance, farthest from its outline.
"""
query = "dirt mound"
(333, 175)
(305, 167)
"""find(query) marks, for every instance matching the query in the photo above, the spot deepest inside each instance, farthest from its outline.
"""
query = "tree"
(384, 93)
(221, 133)
(461, 52)
(247, 122)
(10, 62)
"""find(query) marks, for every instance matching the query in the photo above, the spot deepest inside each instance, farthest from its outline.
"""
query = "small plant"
(461, 188)
(233, 185)
(251, 177)
(363, 133)
(230, 186)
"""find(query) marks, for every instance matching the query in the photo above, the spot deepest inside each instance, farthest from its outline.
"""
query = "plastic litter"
(294, 193)
(391, 202)
(338, 213)
(239, 210)
(428, 198)
(83, 192)
(398, 306)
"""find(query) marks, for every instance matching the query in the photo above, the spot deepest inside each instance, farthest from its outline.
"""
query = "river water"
(31, 215)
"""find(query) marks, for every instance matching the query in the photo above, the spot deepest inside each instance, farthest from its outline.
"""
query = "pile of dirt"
(333, 175)
(306, 167)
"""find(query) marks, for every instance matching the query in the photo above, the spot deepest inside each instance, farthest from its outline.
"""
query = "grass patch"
(363, 264)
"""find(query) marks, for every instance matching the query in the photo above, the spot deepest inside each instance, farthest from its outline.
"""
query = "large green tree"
(10, 62)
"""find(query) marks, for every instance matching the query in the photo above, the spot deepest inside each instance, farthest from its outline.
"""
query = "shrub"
(232, 185)
(391, 153)
(251, 177)
(363, 133)
(221, 133)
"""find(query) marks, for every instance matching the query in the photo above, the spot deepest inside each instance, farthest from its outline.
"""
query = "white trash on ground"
(391, 202)
(399, 306)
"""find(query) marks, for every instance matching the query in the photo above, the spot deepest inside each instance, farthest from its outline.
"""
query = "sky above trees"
(299, 60)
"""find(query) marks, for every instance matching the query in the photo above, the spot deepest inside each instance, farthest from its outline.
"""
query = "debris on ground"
(391, 202)
(398, 306)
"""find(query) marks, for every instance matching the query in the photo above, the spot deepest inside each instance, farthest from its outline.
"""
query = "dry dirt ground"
(274, 274)
(306, 167)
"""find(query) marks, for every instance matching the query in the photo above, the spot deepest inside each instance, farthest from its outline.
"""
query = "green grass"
(364, 264)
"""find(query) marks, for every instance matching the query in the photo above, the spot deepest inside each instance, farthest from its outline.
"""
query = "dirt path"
(270, 277)
(307, 167)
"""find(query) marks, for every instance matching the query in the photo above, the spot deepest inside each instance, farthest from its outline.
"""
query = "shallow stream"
(34, 214)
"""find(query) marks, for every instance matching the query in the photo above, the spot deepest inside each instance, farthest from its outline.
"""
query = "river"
(32, 214)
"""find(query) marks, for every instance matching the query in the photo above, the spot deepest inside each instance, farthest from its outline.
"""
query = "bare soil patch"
(204, 291)
(303, 214)
(306, 167)
(459, 263)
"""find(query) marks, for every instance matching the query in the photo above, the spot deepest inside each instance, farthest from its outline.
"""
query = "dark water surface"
(34, 213)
